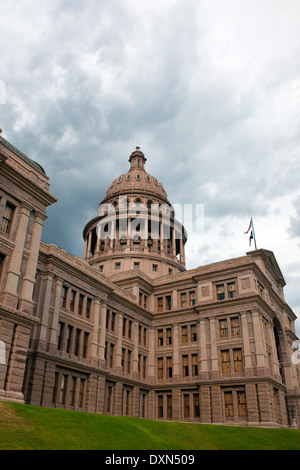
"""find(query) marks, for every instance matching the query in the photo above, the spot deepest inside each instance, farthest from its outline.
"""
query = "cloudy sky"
(211, 87)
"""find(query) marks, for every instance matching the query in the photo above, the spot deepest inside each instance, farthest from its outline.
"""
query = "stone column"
(204, 373)
(10, 296)
(135, 358)
(55, 317)
(151, 358)
(246, 346)
(214, 352)
(259, 344)
(102, 332)
(95, 333)
(43, 309)
(89, 244)
(119, 322)
(85, 248)
(176, 359)
(29, 278)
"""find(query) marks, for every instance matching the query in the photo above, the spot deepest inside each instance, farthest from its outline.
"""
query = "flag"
(250, 226)
(251, 237)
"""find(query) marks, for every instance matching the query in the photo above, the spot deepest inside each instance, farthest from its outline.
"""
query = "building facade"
(126, 329)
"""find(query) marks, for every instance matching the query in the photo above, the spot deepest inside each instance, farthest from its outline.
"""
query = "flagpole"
(253, 233)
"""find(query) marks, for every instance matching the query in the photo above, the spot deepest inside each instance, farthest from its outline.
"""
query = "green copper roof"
(12, 147)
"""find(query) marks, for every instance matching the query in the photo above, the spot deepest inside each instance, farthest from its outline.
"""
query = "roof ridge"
(22, 154)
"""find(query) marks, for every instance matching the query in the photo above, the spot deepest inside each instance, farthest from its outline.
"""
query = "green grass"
(26, 427)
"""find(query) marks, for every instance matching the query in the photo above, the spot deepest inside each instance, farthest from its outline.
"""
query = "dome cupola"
(135, 227)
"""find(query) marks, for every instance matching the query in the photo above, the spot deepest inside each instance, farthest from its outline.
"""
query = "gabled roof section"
(269, 261)
(21, 154)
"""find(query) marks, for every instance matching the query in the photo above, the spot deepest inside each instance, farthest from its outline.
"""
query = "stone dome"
(136, 181)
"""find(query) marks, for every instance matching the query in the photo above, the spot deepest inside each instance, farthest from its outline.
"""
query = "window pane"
(225, 362)
(228, 404)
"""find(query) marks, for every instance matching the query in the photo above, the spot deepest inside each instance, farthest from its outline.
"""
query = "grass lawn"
(26, 427)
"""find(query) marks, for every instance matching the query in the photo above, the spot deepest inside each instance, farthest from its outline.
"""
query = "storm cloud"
(211, 88)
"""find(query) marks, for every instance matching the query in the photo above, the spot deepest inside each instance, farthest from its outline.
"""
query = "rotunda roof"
(136, 181)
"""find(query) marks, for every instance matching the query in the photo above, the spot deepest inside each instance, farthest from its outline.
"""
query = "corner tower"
(135, 226)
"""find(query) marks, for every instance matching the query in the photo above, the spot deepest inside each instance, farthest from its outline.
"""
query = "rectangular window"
(169, 406)
(225, 358)
(194, 365)
(7, 218)
(184, 334)
(231, 290)
(63, 385)
(235, 326)
(223, 328)
(124, 326)
(220, 292)
(169, 367)
(129, 328)
(117, 266)
(169, 302)
(111, 355)
(242, 407)
(169, 336)
(60, 335)
(80, 304)
(64, 297)
(88, 307)
(123, 358)
(196, 405)
(72, 391)
(68, 338)
(72, 300)
(85, 344)
(160, 368)
(186, 405)
(81, 393)
(160, 304)
(77, 338)
(183, 301)
(154, 267)
(160, 406)
(136, 265)
(192, 298)
(238, 360)
(113, 321)
(185, 365)
(55, 388)
(128, 362)
(160, 337)
(109, 399)
(228, 400)
(193, 333)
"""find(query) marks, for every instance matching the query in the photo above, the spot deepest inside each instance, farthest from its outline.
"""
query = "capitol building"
(127, 330)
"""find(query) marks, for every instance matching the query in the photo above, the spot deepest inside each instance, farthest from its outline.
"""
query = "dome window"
(156, 182)
(128, 177)
(138, 177)
(148, 179)
(119, 180)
